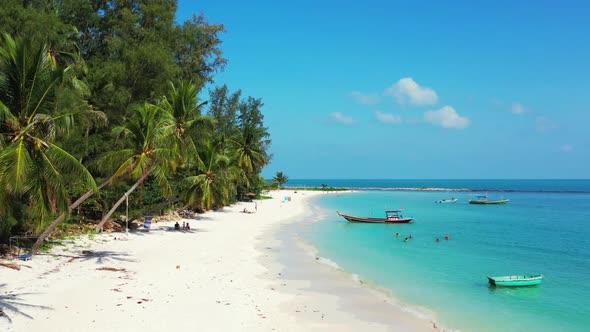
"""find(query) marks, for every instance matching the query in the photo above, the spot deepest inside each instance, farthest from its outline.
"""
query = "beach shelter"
(250, 194)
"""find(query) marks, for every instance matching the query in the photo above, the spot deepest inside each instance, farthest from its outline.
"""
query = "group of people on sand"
(185, 226)
(248, 211)
(447, 237)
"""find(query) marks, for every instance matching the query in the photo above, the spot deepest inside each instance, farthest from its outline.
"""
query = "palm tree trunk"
(62, 216)
(120, 201)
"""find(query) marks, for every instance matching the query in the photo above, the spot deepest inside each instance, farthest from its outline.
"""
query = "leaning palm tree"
(150, 151)
(184, 114)
(280, 178)
(32, 165)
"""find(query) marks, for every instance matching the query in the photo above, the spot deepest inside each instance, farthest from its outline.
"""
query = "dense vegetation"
(99, 102)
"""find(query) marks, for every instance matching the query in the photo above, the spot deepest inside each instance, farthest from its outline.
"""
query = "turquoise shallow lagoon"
(536, 232)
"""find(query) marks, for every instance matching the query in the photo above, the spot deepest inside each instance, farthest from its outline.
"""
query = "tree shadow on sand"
(12, 302)
(104, 256)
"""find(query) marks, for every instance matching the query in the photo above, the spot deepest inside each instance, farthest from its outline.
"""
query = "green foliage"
(280, 179)
(31, 163)
(113, 86)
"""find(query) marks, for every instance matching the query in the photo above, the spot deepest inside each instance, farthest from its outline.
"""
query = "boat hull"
(482, 202)
(445, 201)
(375, 220)
(516, 281)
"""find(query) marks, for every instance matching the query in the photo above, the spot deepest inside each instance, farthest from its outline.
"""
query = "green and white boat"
(483, 199)
(516, 281)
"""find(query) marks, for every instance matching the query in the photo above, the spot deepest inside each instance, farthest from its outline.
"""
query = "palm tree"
(150, 151)
(182, 103)
(32, 165)
(214, 186)
(185, 113)
(249, 148)
(280, 179)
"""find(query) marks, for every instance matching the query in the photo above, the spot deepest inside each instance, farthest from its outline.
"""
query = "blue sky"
(414, 89)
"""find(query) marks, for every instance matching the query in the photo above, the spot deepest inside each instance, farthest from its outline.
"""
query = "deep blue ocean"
(543, 229)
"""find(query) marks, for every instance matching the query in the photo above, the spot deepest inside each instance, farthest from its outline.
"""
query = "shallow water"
(544, 233)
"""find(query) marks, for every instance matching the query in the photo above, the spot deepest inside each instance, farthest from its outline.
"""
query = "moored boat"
(451, 200)
(516, 281)
(483, 199)
(391, 216)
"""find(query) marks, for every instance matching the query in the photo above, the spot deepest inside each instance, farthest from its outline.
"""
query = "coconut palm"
(150, 151)
(184, 113)
(249, 146)
(32, 165)
(280, 178)
(182, 103)
(216, 184)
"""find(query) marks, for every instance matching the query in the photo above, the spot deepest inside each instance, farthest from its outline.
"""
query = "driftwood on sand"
(114, 269)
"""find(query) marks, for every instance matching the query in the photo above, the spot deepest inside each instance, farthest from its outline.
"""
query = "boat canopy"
(387, 211)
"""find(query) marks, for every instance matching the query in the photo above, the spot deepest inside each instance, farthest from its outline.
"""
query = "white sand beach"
(232, 271)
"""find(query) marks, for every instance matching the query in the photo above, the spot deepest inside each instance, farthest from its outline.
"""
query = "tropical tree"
(249, 149)
(184, 113)
(149, 152)
(280, 179)
(183, 106)
(32, 165)
(217, 180)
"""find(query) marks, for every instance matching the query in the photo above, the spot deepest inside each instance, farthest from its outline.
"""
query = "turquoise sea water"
(537, 232)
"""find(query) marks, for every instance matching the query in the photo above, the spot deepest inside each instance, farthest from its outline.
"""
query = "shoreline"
(214, 277)
(319, 282)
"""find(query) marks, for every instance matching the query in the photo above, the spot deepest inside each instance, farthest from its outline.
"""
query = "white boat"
(452, 200)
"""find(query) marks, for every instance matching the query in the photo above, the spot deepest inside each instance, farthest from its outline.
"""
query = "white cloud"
(387, 117)
(407, 92)
(545, 125)
(517, 108)
(446, 117)
(342, 118)
(566, 148)
(365, 98)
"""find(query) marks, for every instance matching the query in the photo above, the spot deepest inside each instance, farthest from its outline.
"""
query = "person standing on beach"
(255, 206)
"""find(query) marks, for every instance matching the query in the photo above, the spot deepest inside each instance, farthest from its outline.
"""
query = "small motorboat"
(452, 200)
(391, 216)
(516, 281)
(483, 199)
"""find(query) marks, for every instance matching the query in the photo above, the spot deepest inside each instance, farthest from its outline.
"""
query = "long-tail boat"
(516, 281)
(483, 199)
(391, 216)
